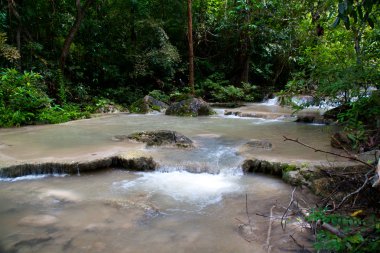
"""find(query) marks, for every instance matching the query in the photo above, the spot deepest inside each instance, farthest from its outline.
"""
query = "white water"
(271, 101)
(194, 191)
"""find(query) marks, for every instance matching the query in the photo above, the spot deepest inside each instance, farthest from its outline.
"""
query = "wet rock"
(162, 138)
(111, 108)
(190, 107)
(138, 164)
(38, 220)
(134, 162)
(293, 178)
(312, 118)
(259, 144)
(266, 167)
(370, 156)
(148, 104)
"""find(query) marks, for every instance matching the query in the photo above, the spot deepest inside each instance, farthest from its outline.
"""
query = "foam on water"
(199, 190)
(30, 177)
(272, 101)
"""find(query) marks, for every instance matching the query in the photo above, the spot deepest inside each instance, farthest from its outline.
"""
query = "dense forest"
(62, 60)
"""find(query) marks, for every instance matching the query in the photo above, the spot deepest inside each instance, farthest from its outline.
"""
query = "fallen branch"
(269, 247)
(298, 244)
(349, 156)
(366, 181)
(283, 222)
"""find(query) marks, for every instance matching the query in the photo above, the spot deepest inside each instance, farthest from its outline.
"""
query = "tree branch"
(348, 156)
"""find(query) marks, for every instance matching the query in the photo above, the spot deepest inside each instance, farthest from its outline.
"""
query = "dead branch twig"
(283, 222)
(366, 181)
(349, 156)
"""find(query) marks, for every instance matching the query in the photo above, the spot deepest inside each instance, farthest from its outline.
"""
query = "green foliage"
(58, 114)
(229, 93)
(159, 95)
(177, 96)
(363, 115)
(360, 235)
(354, 12)
(122, 95)
(23, 102)
(21, 99)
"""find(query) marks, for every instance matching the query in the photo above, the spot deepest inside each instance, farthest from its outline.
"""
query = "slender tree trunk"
(81, 10)
(191, 50)
(241, 68)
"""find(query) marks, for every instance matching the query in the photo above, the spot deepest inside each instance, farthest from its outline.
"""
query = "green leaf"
(357, 238)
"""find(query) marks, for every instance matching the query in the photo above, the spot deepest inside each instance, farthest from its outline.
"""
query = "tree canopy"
(121, 50)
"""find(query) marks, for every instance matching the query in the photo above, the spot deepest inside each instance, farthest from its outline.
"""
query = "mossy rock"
(161, 138)
(190, 107)
(148, 104)
(293, 178)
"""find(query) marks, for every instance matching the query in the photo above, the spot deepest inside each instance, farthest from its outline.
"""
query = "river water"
(169, 210)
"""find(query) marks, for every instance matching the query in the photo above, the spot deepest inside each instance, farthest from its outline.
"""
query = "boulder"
(148, 104)
(313, 119)
(162, 137)
(190, 107)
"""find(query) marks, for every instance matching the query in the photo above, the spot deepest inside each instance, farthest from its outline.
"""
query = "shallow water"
(94, 137)
(170, 210)
(119, 211)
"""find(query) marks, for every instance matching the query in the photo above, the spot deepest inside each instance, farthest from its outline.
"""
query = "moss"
(139, 107)
(289, 167)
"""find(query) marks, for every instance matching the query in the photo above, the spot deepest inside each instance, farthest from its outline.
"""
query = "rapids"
(170, 210)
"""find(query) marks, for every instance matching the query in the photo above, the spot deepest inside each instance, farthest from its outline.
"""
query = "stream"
(169, 210)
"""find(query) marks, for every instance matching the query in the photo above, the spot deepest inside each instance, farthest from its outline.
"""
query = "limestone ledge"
(132, 161)
(315, 176)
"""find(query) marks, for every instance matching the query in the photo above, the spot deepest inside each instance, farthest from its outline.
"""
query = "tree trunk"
(191, 50)
(241, 68)
(73, 31)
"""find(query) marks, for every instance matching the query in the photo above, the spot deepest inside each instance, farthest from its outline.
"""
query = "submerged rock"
(190, 107)
(38, 220)
(161, 138)
(61, 195)
(148, 104)
(259, 144)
